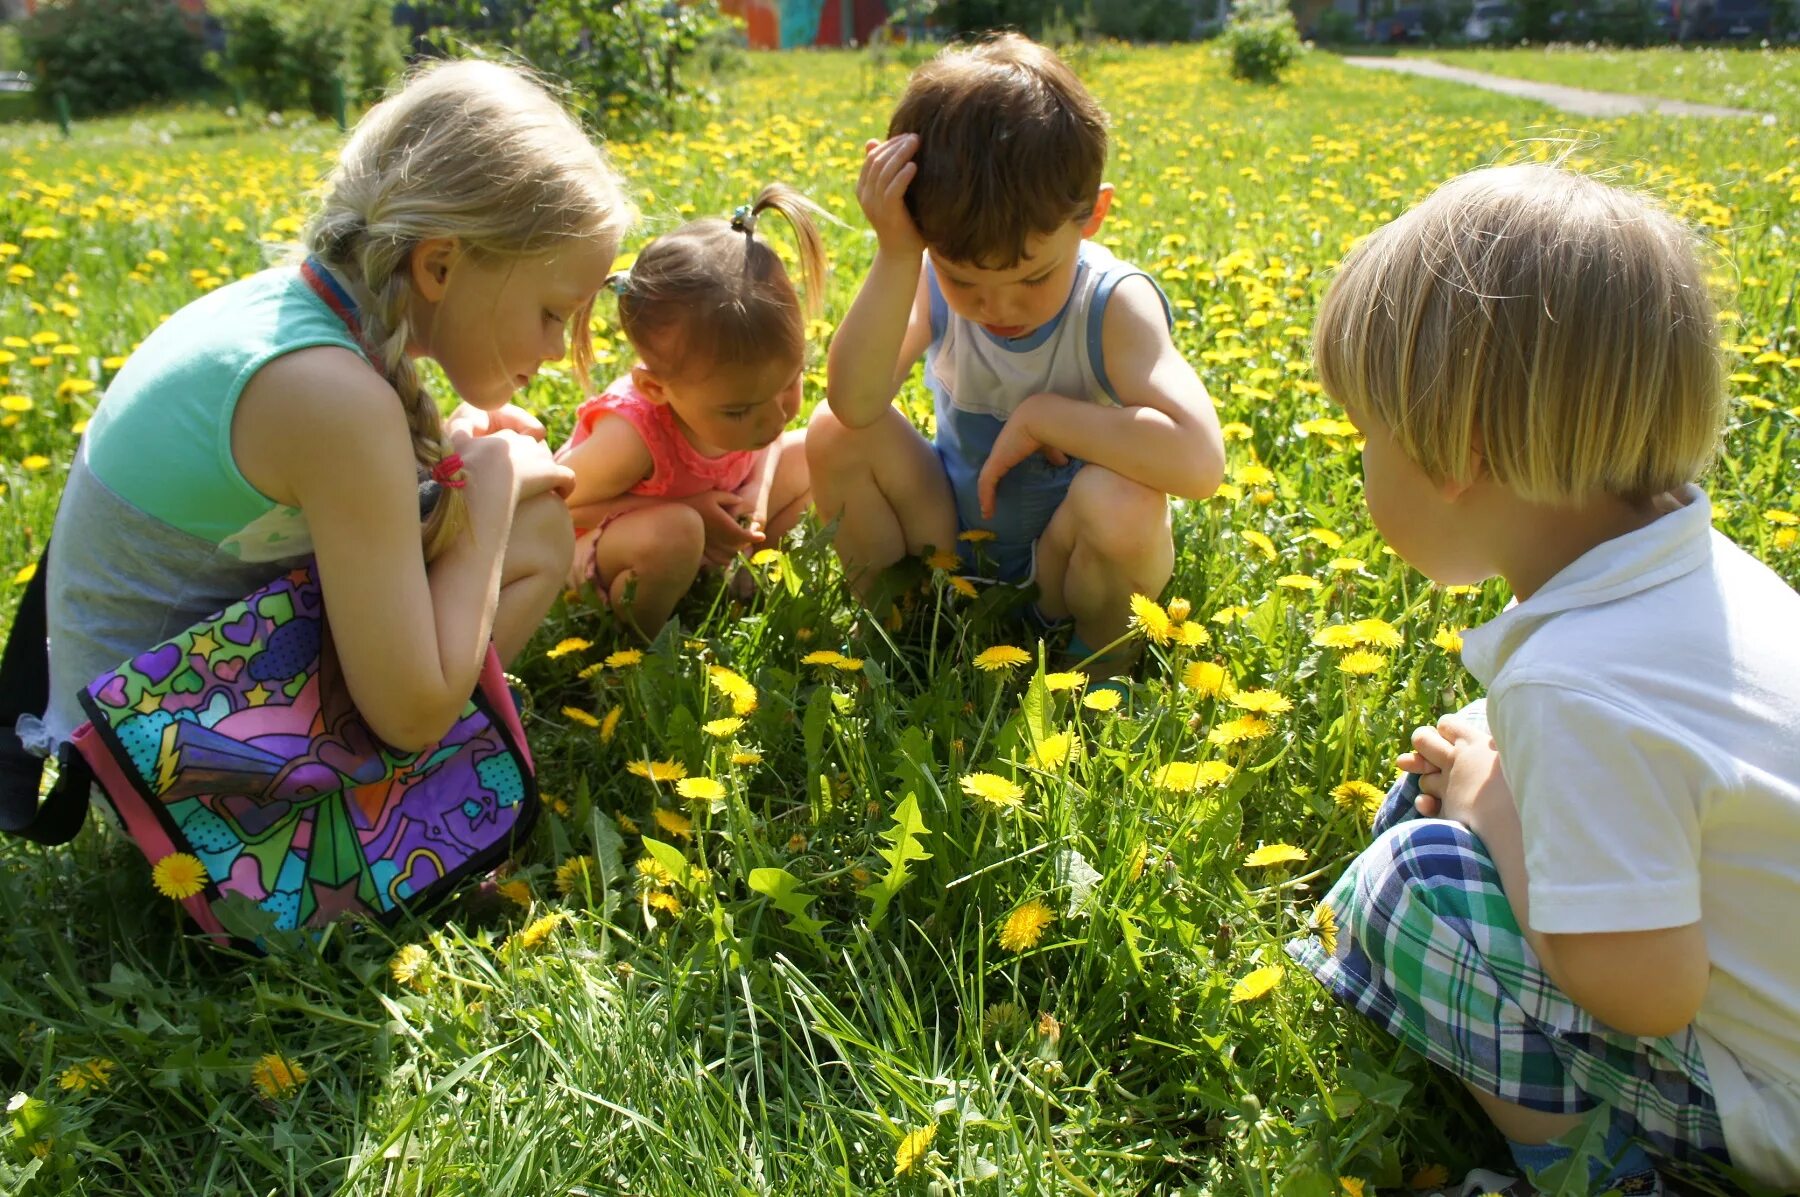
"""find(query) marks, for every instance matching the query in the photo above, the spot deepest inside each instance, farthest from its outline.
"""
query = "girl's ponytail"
(798, 210)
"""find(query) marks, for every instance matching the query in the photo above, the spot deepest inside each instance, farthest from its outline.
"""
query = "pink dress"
(677, 469)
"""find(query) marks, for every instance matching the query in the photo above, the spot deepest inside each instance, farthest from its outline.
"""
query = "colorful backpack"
(235, 761)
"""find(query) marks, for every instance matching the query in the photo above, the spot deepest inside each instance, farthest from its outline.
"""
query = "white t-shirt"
(1646, 703)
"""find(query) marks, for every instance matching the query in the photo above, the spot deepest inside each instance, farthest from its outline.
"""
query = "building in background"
(786, 24)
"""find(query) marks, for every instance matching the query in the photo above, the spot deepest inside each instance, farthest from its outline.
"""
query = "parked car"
(1401, 25)
(1737, 19)
(1490, 22)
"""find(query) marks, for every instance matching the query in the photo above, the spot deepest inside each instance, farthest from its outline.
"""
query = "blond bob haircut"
(1010, 145)
(1558, 327)
(473, 150)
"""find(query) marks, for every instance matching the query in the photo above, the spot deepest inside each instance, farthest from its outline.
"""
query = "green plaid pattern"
(1428, 947)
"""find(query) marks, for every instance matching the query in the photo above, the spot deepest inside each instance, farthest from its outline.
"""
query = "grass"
(637, 1008)
(1762, 80)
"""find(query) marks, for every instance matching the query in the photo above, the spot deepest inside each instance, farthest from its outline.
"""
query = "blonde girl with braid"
(685, 461)
(468, 220)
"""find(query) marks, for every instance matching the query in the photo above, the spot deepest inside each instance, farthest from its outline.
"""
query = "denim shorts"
(1024, 502)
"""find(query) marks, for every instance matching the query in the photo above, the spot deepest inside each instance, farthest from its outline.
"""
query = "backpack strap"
(25, 690)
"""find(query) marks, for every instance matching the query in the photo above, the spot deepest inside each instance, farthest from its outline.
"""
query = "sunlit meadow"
(821, 907)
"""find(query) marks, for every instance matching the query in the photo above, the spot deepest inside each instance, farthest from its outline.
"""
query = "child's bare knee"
(542, 540)
(677, 541)
(1121, 517)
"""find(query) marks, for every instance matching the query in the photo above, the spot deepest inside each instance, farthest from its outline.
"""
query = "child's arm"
(889, 323)
(610, 461)
(1644, 983)
(1165, 435)
(319, 430)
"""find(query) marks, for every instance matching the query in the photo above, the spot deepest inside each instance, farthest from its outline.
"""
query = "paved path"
(1570, 99)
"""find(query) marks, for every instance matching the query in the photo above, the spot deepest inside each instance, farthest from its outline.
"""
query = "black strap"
(25, 690)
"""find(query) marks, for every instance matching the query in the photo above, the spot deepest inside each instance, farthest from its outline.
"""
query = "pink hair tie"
(445, 472)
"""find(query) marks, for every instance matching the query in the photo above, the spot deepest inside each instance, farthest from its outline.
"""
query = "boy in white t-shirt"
(1532, 356)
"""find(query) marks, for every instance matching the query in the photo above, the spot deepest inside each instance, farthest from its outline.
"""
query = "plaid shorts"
(1428, 947)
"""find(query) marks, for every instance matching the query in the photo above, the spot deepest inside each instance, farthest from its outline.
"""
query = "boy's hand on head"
(1015, 443)
(887, 169)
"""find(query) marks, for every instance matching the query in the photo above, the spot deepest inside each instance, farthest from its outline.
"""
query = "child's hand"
(1459, 773)
(881, 190)
(533, 471)
(511, 418)
(725, 536)
(1014, 444)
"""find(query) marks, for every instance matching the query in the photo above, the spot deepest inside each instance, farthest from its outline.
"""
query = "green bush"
(285, 55)
(1263, 40)
(630, 64)
(104, 55)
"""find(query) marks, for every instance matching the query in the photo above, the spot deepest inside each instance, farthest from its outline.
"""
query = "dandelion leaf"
(783, 890)
(1035, 707)
(609, 847)
(903, 835)
(670, 857)
(1078, 877)
(813, 728)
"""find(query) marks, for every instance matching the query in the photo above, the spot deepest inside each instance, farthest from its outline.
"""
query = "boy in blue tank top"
(1065, 415)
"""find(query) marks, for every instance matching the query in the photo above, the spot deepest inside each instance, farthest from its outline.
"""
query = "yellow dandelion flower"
(625, 658)
(1274, 854)
(1297, 582)
(1179, 609)
(1001, 656)
(653, 872)
(277, 1076)
(1208, 679)
(537, 931)
(1253, 474)
(664, 901)
(610, 724)
(1448, 638)
(735, 687)
(179, 876)
(1024, 927)
(1150, 619)
(1351, 1186)
(89, 1074)
(1051, 751)
(575, 875)
(1786, 519)
(1258, 983)
(577, 715)
(26, 572)
(35, 461)
(947, 561)
(516, 891)
(1186, 776)
(1351, 795)
(1345, 565)
(1262, 543)
(1338, 635)
(993, 789)
(1066, 680)
(411, 967)
(674, 822)
(963, 586)
(1377, 632)
(657, 770)
(1362, 663)
(912, 1149)
(766, 557)
(16, 403)
(588, 671)
(1192, 635)
(746, 759)
(1262, 702)
(1102, 700)
(722, 729)
(700, 789)
(1431, 1176)
(574, 644)
(1140, 856)
(822, 656)
(1240, 730)
(1324, 924)
(975, 536)
(847, 664)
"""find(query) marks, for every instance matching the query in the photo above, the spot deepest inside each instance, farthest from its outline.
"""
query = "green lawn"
(1754, 78)
(625, 1014)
